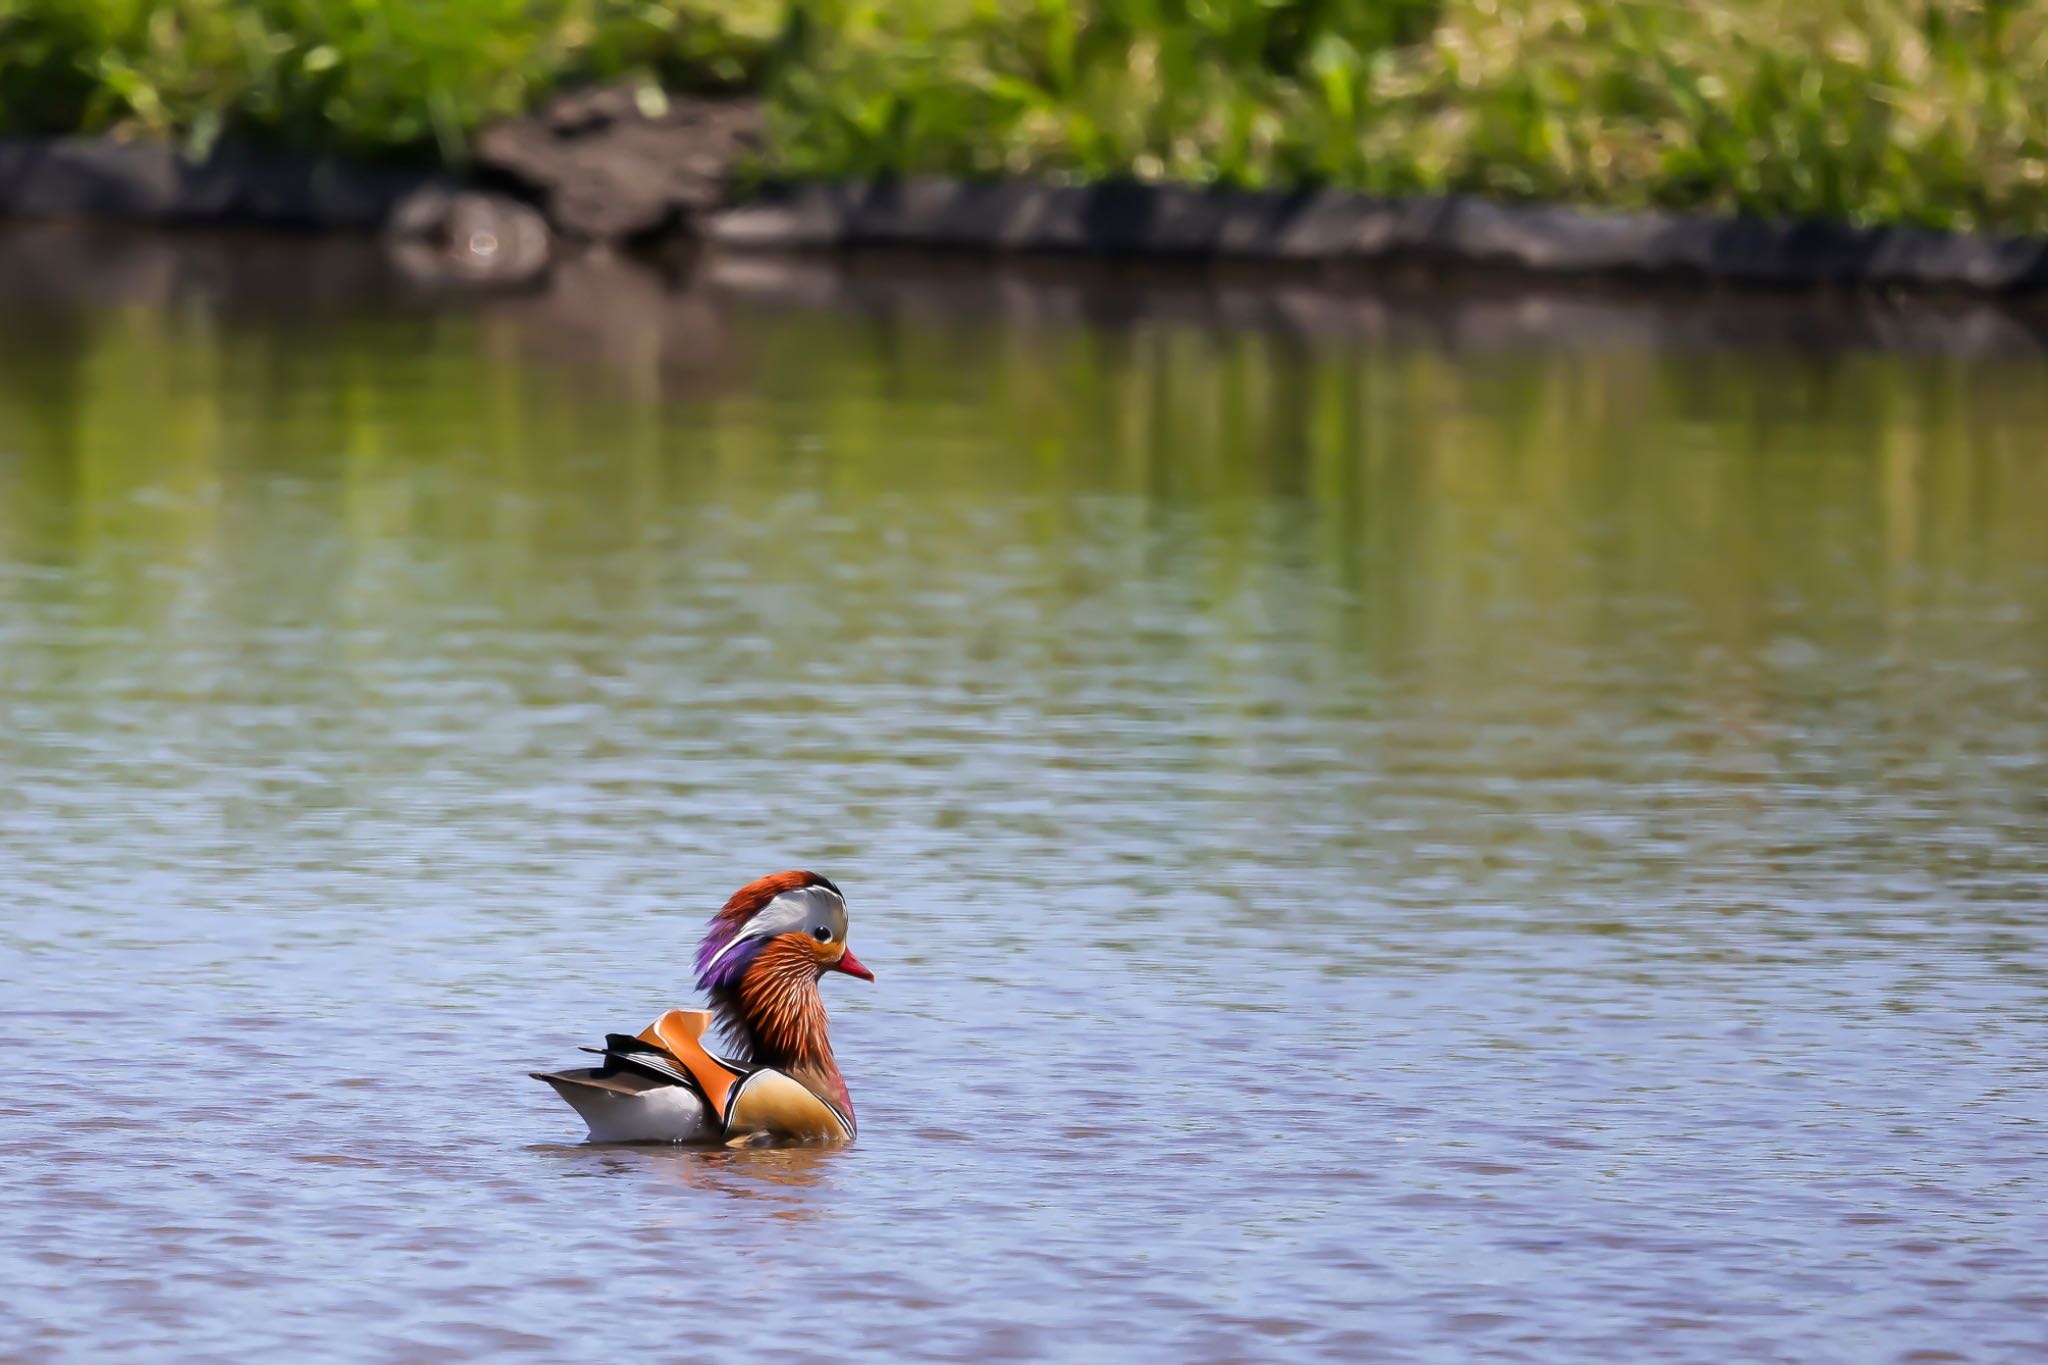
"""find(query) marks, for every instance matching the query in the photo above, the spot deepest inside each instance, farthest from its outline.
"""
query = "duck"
(775, 1079)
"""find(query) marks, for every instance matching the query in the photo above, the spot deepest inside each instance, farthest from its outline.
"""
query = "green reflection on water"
(1470, 515)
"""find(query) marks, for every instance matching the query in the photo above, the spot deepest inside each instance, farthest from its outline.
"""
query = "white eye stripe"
(786, 912)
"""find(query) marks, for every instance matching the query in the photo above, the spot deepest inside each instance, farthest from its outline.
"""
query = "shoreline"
(608, 303)
(102, 180)
(1334, 228)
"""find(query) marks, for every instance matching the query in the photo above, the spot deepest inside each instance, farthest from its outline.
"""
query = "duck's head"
(761, 960)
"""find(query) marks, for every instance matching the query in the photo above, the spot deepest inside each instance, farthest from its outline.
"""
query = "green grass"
(399, 77)
(1920, 111)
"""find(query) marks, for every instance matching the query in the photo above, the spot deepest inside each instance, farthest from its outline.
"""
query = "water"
(1521, 838)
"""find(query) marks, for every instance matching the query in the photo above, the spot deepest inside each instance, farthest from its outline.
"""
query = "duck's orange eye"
(822, 933)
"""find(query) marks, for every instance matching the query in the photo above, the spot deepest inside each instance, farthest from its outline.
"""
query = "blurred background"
(1921, 111)
(1404, 816)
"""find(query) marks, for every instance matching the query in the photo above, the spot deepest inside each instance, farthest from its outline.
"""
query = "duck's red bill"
(850, 964)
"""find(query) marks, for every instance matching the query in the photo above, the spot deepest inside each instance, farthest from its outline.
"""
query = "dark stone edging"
(1336, 228)
(96, 178)
(644, 314)
(439, 232)
(100, 178)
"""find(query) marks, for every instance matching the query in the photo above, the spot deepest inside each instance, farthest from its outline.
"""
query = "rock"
(438, 235)
(618, 163)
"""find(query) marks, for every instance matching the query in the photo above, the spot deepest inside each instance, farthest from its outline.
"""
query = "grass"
(406, 78)
(1920, 111)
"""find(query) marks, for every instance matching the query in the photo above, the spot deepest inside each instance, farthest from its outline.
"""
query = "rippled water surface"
(1375, 842)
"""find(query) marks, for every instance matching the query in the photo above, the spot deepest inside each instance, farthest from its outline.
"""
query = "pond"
(1386, 824)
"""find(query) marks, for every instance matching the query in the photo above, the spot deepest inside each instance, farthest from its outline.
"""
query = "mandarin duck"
(759, 967)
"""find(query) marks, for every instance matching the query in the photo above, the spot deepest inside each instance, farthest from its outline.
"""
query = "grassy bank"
(1922, 111)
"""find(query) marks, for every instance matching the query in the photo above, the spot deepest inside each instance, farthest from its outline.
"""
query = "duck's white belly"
(667, 1113)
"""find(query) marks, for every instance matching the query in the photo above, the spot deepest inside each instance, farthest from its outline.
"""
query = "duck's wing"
(643, 1092)
(624, 1053)
(680, 1035)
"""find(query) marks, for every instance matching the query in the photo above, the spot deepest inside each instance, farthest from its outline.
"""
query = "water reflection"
(790, 1179)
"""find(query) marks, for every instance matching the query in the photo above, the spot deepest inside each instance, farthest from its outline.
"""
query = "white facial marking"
(792, 910)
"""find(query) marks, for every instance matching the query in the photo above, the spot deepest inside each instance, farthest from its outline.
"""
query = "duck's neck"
(774, 1017)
